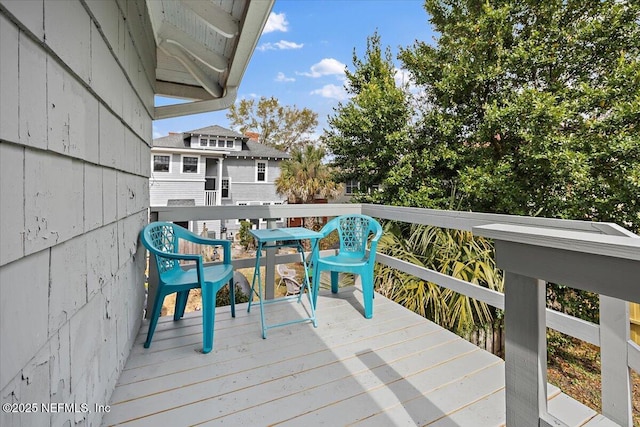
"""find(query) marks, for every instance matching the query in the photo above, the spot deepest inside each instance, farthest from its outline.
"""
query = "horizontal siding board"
(163, 191)
(256, 192)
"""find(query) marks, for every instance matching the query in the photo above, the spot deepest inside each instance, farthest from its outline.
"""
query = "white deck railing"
(599, 257)
(210, 197)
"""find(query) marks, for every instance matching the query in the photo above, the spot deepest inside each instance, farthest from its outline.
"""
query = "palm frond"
(453, 252)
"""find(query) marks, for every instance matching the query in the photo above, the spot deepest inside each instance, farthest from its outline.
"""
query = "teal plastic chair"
(355, 233)
(162, 239)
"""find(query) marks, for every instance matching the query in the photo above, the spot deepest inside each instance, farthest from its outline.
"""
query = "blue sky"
(306, 44)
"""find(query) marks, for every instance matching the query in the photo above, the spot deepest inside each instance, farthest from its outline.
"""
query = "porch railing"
(210, 197)
(599, 257)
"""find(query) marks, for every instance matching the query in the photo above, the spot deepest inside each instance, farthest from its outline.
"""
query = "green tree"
(369, 133)
(246, 239)
(530, 108)
(305, 175)
(282, 127)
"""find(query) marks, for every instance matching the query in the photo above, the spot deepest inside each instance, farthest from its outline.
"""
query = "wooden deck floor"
(394, 369)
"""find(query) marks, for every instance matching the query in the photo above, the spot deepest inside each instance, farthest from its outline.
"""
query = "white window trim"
(266, 171)
(261, 221)
(351, 192)
(228, 178)
(182, 172)
(163, 155)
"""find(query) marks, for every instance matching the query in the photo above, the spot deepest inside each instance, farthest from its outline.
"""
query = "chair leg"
(367, 293)
(232, 297)
(181, 303)
(208, 317)
(316, 288)
(153, 319)
(334, 281)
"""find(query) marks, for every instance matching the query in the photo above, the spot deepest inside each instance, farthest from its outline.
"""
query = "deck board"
(395, 369)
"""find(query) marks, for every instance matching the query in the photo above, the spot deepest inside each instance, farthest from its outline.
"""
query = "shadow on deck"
(395, 369)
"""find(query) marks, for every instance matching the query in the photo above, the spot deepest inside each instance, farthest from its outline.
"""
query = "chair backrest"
(293, 287)
(354, 231)
(284, 271)
(159, 238)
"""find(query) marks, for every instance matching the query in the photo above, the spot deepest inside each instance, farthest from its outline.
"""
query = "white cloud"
(403, 77)
(276, 22)
(331, 91)
(281, 45)
(282, 78)
(326, 67)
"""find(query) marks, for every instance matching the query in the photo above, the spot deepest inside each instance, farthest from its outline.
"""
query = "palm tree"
(304, 176)
(456, 253)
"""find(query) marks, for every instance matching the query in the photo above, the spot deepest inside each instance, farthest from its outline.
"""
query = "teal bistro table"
(273, 238)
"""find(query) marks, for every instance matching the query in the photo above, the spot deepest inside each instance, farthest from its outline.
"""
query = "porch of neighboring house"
(397, 368)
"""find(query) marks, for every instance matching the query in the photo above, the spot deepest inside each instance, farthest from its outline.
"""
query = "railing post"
(607, 265)
(525, 350)
(218, 194)
(615, 372)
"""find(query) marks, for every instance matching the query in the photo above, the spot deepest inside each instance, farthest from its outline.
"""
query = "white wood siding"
(240, 172)
(162, 191)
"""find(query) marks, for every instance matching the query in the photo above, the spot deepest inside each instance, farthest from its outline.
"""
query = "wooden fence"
(208, 252)
(634, 315)
(490, 338)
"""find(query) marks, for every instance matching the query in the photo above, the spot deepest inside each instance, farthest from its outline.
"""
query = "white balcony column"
(219, 183)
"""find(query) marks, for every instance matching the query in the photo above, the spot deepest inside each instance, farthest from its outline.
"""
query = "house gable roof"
(251, 149)
(216, 131)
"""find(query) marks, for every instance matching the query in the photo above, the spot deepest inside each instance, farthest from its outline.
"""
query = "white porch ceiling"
(203, 49)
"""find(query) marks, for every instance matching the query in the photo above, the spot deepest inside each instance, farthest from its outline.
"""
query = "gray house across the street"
(214, 166)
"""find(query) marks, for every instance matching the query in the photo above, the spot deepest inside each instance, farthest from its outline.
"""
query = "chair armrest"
(374, 241)
(172, 255)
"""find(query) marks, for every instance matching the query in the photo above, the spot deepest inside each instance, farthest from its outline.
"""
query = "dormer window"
(226, 142)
